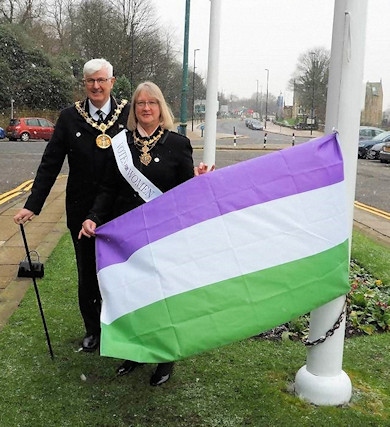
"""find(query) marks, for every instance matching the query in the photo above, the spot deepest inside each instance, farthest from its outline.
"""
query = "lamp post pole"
(257, 96)
(183, 106)
(261, 103)
(266, 101)
(312, 54)
(12, 108)
(193, 91)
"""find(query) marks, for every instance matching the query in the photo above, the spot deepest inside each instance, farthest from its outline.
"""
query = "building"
(373, 105)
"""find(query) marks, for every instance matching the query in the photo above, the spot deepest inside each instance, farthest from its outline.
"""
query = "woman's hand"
(202, 168)
(87, 229)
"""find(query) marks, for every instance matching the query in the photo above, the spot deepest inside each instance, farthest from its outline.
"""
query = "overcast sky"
(260, 34)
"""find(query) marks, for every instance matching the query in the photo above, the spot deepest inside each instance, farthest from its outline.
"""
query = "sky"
(267, 34)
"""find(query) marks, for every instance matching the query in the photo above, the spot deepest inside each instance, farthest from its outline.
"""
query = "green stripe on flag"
(227, 311)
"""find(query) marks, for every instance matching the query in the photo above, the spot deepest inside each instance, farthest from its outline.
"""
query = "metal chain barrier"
(329, 333)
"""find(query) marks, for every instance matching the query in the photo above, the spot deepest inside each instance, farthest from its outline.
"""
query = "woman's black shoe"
(127, 367)
(162, 374)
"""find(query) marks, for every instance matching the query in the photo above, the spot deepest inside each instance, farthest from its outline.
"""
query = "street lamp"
(312, 54)
(12, 108)
(193, 91)
(261, 103)
(266, 101)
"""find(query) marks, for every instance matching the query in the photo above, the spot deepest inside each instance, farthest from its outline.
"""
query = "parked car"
(366, 145)
(384, 154)
(373, 153)
(2, 133)
(26, 128)
(368, 132)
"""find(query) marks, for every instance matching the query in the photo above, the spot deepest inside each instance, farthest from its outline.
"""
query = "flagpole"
(210, 131)
(322, 381)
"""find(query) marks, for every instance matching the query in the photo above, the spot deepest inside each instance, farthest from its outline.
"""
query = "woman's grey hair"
(97, 64)
(166, 115)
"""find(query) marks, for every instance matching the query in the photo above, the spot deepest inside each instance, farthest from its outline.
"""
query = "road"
(19, 161)
(227, 126)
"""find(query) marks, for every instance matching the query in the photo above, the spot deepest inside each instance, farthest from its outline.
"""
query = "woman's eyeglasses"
(143, 104)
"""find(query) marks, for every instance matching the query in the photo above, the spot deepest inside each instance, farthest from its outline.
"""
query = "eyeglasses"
(143, 104)
(91, 82)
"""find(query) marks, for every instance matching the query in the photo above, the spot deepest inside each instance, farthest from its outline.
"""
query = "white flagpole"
(210, 131)
(322, 381)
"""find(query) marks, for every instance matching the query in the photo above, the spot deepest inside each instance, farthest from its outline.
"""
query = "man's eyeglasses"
(143, 104)
(91, 82)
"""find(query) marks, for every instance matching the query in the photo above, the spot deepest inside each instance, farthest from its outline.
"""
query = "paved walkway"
(44, 232)
(42, 235)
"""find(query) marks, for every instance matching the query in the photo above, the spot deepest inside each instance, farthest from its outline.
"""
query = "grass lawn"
(248, 383)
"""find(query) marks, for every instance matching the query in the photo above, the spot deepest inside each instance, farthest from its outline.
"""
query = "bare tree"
(61, 22)
(309, 82)
(22, 12)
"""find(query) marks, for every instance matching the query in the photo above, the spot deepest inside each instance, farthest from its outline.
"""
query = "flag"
(226, 255)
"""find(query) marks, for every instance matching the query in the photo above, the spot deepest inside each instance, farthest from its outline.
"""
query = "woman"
(161, 157)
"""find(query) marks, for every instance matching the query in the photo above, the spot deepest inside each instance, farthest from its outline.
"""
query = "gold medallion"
(103, 141)
(145, 158)
(146, 145)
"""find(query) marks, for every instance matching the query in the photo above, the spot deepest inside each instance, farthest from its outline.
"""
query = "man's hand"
(23, 216)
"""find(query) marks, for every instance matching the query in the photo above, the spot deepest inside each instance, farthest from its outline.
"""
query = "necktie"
(101, 117)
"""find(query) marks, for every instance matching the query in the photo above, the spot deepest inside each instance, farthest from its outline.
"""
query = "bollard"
(293, 140)
(235, 136)
(265, 141)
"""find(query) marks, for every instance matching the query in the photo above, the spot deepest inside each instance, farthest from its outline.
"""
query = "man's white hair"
(97, 64)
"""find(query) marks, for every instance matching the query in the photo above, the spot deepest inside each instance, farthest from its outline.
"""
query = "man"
(82, 133)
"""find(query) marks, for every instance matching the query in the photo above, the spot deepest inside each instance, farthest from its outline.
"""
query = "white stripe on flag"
(241, 242)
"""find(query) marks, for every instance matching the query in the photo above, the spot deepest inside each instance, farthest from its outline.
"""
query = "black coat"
(171, 165)
(76, 139)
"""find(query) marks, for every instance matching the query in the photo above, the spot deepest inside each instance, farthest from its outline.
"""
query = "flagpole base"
(323, 391)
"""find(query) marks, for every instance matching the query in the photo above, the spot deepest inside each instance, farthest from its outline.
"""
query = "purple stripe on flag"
(312, 165)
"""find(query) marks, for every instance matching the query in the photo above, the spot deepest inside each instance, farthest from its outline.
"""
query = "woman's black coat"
(171, 165)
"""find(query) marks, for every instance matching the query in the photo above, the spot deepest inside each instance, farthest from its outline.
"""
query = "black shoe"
(162, 374)
(91, 342)
(127, 367)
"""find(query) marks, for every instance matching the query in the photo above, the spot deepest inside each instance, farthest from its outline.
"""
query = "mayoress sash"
(145, 188)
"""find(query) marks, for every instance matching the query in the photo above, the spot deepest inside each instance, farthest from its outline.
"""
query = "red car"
(26, 128)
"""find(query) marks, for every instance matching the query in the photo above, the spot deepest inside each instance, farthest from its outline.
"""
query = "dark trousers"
(88, 288)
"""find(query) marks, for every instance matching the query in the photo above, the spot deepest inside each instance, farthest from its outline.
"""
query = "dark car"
(255, 125)
(2, 133)
(366, 145)
(248, 122)
(384, 155)
(26, 128)
(373, 152)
